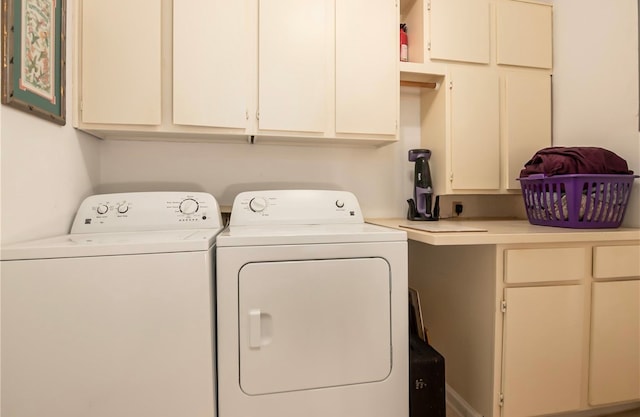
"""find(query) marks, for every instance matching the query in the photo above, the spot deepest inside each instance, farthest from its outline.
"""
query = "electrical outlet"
(456, 208)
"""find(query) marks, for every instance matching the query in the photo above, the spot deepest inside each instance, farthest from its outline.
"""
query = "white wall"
(46, 169)
(595, 81)
(381, 178)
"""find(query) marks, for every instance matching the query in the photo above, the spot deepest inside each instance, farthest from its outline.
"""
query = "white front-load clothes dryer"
(117, 317)
(312, 309)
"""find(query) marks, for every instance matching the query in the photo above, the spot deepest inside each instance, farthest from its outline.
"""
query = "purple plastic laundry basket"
(579, 201)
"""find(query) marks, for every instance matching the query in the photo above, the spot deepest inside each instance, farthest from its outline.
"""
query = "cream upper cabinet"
(491, 108)
(474, 130)
(366, 59)
(292, 65)
(120, 62)
(328, 68)
(271, 70)
(461, 127)
(524, 34)
(460, 30)
(527, 120)
(483, 125)
(208, 91)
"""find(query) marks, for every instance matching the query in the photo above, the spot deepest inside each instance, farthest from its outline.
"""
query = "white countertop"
(491, 232)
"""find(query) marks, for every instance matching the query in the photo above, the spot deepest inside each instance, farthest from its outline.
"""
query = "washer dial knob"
(258, 204)
(189, 206)
(123, 208)
(102, 209)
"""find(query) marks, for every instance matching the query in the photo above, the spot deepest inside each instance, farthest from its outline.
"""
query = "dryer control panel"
(143, 211)
(295, 207)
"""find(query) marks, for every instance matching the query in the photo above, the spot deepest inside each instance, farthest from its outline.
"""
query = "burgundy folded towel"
(559, 160)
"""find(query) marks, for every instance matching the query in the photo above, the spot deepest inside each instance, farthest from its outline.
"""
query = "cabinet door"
(292, 80)
(460, 30)
(475, 137)
(120, 62)
(524, 34)
(543, 350)
(366, 66)
(614, 371)
(527, 120)
(210, 63)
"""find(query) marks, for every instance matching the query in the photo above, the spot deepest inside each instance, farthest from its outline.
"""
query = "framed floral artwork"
(33, 57)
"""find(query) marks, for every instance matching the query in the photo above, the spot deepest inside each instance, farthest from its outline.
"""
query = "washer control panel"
(129, 212)
(295, 207)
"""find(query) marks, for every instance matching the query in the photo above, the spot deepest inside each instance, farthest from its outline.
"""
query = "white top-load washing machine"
(312, 309)
(117, 317)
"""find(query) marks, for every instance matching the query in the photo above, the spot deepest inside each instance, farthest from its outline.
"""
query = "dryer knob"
(258, 204)
(189, 206)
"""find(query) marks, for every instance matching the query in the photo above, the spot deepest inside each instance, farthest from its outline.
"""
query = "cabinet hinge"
(503, 306)
(450, 85)
(501, 400)
(429, 46)
(451, 177)
(246, 114)
(257, 115)
(428, 6)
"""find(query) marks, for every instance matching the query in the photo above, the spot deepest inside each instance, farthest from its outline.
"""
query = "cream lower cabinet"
(530, 330)
(543, 350)
(543, 329)
(614, 374)
(320, 70)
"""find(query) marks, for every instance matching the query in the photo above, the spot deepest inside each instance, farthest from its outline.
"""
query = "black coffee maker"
(420, 206)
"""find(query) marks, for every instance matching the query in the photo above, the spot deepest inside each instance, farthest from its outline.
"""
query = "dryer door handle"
(255, 330)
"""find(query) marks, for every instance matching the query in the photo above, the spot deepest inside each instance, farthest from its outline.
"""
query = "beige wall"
(45, 170)
(595, 81)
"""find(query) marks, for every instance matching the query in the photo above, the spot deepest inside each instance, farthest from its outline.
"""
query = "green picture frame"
(33, 57)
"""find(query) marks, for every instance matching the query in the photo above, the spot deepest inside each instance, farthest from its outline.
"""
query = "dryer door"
(314, 324)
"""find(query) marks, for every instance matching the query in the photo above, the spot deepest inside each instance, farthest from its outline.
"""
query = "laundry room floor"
(629, 413)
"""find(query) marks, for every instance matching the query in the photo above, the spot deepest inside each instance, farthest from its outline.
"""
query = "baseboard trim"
(463, 409)
(458, 404)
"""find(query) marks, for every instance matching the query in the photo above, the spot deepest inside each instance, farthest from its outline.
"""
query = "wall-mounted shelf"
(419, 84)
(427, 74)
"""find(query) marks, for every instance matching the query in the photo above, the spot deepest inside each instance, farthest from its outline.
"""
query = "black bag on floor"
(426, 380)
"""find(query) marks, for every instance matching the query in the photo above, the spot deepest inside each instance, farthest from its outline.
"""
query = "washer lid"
(105, 244)
(260, 235)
